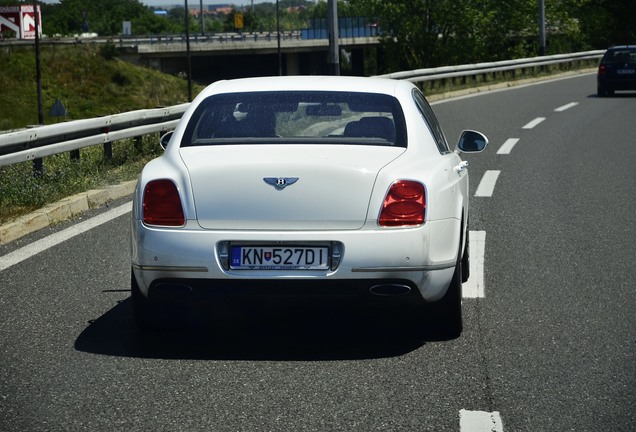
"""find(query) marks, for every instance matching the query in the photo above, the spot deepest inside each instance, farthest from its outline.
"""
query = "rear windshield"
(298, 117)
(620, 56)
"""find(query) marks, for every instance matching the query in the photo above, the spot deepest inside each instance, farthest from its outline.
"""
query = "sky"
(158, 3)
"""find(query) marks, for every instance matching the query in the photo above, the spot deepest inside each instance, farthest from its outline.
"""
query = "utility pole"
(334, 50)
(38, 164)
(542, 45)
(201, 17)
(187, 36)
(280, 57)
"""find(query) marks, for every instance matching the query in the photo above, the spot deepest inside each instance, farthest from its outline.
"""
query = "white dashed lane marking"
(534, 122)
(480, 421)
(506, 147)
(487, 184)
(565, 107)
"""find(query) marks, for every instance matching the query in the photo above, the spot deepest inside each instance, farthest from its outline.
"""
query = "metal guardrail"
(41, 141)
(421, 75)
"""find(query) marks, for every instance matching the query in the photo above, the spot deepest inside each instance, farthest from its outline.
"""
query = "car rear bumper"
(417, 262)
(627, 83)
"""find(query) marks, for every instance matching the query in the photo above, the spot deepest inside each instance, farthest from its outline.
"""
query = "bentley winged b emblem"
(280, 183)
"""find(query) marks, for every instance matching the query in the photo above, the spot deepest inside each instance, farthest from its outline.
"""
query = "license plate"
(279, 258)
(626, 71)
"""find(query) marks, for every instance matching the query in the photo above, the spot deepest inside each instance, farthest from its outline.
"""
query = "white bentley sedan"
(339, 187)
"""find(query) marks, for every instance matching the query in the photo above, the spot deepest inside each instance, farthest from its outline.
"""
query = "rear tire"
(449, 308)
(603, 91)
(145, 312)
(441, 320)
(466, 258)
(600, 91)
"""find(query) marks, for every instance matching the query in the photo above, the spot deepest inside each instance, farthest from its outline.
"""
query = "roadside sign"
(58, 109)
(21, 20)
(238, 20)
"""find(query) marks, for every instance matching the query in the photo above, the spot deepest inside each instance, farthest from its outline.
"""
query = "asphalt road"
(550, 347)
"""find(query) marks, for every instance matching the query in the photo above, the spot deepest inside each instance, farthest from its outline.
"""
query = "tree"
(607, 22)
(104, 17)
(430, 33)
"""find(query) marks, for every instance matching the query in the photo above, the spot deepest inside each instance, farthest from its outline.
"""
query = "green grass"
(22, 192)
(90, 82)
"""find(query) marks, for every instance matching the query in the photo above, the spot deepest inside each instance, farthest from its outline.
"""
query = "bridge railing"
(41, 141)
(211, 38)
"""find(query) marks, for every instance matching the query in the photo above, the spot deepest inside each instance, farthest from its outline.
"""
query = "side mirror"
(165, 139)
(472, 142)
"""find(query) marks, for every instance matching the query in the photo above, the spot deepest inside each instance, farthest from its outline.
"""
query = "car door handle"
(462, 166)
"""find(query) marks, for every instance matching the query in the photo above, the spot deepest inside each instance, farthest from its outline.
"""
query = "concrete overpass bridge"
(234, 55)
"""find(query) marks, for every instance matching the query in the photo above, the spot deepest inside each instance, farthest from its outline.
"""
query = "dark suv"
(617, 70)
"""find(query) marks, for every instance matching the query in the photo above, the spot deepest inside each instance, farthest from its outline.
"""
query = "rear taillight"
(405, 204)
(162, 205)
(601, 70)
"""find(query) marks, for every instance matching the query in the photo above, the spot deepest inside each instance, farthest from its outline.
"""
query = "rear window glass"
(620, 56)
(296, 117)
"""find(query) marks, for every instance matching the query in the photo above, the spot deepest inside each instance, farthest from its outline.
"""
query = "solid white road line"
(487, 184)
(480, 421)
(474, 287)
(41, 245)
(534, 122)
(506, 147)
(565, 107)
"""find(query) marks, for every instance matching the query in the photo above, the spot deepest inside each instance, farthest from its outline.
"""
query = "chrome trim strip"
(171, 268)
(403, 269)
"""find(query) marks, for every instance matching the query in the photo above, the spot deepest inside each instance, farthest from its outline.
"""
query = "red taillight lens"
(601, 70)
(405, 204)
(162, 205)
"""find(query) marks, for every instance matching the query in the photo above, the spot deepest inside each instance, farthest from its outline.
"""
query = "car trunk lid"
(284, 187)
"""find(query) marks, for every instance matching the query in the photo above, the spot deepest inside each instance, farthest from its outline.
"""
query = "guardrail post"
(108, 150)
(38, 163)
(75, 155)
(38, 167)
(138, 144)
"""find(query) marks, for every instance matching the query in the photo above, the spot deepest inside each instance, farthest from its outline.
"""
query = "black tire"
(466, 258)
(603, 91)
(449, 308)
(145, 312)
(600, 91)
(441, 320)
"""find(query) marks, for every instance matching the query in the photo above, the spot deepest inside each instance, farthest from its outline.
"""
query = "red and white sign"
(20, 20)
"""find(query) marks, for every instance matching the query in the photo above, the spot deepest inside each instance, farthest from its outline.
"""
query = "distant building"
(19, 22)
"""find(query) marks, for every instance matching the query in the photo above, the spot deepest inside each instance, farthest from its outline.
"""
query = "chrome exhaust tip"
(390, 290)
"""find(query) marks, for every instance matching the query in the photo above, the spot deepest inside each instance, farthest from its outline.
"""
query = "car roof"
(309, 83)
(619, 47)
